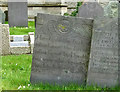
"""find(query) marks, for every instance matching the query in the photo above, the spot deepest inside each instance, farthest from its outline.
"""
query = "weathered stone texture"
(61, 51)
(90, 10)
(111, 10)
(4, 43)
(103, 64)
(2, 17)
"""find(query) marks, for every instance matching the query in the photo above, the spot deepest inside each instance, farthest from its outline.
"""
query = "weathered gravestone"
(90, 10)
(17, 13)
(111, 9)
(2, 17)
(103, 64)
(4, 41)
(61, 52)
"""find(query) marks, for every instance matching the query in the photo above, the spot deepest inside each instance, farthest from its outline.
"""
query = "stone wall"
(50, 6)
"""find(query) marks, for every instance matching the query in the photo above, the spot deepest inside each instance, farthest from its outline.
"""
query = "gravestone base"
(20, 50)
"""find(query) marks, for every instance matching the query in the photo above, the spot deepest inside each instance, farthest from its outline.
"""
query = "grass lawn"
(22, 30)
(16, 70)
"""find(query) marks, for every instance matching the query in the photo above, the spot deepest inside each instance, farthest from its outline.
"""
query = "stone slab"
(18, 38)
(103, 64)
(18, 13)
(90, 10)
(20, 50)
(61, 49)
(19, 44)
(4, 43)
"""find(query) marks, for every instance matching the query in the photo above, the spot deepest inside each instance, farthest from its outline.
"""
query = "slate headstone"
(90, 10)
(2, 17)
(61, 51)
(17, 13)
(103, 64)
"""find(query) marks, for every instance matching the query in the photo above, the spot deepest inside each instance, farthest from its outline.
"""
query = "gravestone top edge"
(43, 14)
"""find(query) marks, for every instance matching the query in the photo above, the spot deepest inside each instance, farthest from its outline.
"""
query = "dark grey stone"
(90, 10)
(6, 15)
(103, 64)
(18, 13)
(2, 17)
(119, 41)
(61, 52)
(35, 21)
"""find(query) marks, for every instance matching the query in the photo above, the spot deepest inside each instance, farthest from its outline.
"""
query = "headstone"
(4, 43)
(90, 10)
(61, 51)
(103, 64)
(2, 17)
(111, 10)
(17, 13)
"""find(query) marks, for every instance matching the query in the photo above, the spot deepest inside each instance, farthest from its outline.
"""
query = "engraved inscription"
(104, 53)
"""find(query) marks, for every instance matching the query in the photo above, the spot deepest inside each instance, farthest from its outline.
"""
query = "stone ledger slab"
(61, 49)
(17, 13)
(103, 64)
(90, 10)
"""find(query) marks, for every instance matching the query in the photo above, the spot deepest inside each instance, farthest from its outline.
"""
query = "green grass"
(22, 30)
(16, 70)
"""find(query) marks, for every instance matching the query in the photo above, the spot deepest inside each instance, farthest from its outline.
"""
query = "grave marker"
(61, 51)
(90, 10)
(2, 17)
(103, 64)
(17, 13)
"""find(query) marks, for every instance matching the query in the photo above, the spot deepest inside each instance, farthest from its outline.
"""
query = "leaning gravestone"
(104, 58)
(4, 41)
(61, 52)
(17, 13)
(2, 17)
(90, 10)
